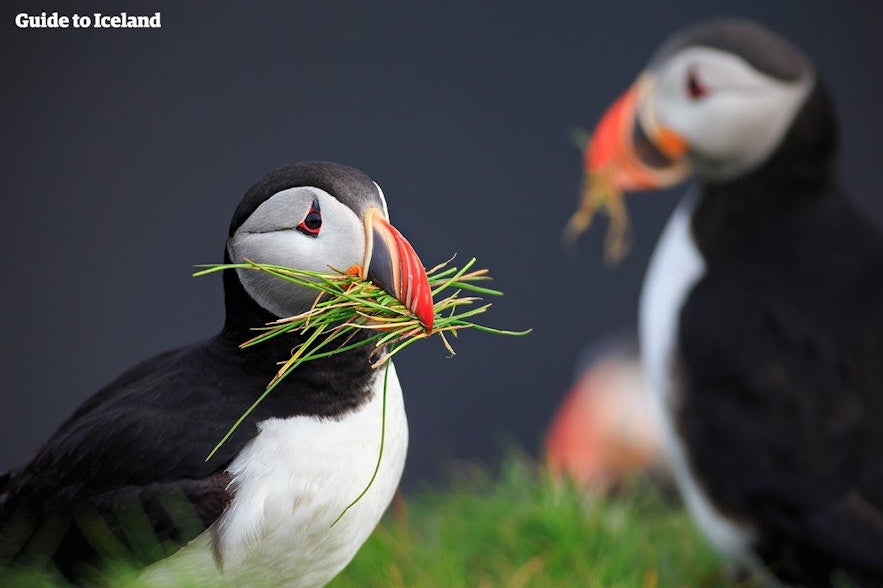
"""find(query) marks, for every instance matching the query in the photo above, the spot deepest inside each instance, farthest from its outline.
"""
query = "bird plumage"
(127, 474)
(780, 366)
(762, 310)
(779, 362)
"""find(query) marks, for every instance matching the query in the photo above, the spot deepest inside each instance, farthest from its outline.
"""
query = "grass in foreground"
(519, 529)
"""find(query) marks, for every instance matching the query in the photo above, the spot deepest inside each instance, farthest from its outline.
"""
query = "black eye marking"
(695, 88)
(312, 222)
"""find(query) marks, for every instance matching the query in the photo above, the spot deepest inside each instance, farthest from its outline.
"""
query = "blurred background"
(124, 153)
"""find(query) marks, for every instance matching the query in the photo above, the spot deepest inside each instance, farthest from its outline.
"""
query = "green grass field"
(515, 529)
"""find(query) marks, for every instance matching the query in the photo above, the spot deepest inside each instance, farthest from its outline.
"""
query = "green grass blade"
(379, 453)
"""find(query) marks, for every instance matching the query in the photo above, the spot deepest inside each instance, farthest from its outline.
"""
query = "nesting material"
(600, 194)
(346, 303)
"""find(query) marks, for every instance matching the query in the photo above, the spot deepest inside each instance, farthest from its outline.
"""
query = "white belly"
(290, 484)
(675, 268)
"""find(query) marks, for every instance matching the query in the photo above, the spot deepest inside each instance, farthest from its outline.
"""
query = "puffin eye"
(312, 222)
(695, 88)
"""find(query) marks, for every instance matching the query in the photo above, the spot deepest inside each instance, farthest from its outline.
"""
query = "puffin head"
(718, 99)
(319, 216)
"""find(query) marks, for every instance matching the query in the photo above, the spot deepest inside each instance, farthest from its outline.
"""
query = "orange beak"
(392, 264)
(630, 150)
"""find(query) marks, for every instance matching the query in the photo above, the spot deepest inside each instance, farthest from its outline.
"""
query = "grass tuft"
(346, 303)
(519, 528)
(600, 194)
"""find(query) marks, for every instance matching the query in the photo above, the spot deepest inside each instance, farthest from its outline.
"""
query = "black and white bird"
(260, 511)
(761, 315)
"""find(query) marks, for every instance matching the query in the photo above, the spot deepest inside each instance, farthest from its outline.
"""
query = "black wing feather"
(127, 457)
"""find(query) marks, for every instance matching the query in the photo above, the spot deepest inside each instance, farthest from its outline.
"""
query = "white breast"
(290, 484)
(675, 268)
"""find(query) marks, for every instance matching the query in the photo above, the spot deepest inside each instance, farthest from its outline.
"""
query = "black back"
(781, 360)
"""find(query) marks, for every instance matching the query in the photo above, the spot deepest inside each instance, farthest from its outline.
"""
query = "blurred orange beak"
(630, 150)
(392, 264)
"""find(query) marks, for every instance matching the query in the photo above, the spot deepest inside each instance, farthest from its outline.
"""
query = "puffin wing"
(127, 474)
(782, 410)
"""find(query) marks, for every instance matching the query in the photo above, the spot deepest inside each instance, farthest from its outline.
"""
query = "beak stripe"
(393, 265)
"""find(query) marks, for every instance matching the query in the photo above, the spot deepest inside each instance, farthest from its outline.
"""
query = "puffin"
(126, 477)
(605, 430)
(761, 313)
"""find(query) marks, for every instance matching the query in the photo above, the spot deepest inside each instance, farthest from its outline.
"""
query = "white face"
(731, 115)
(271, 235)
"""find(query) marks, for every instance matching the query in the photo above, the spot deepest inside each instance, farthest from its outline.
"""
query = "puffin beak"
(391, 263)
(630, 149)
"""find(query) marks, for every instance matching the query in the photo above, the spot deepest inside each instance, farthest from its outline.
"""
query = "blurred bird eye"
(695, 88)
(312, 222)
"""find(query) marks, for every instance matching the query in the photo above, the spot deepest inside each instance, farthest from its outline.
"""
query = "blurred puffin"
(606, 428)
(133, 457)
(761, 315)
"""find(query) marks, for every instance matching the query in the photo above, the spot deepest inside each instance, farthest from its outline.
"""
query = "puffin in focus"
(127, 472)
(761, 315)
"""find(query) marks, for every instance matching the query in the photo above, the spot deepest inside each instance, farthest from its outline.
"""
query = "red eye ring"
(695, 88)
(312, 223)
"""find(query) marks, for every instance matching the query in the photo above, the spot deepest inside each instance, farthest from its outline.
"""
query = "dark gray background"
(124, 153)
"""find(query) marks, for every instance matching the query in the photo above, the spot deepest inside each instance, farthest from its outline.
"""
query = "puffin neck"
(328, 387)
(802, 174)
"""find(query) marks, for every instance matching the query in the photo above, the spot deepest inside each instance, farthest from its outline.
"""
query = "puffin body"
(127, 473)
(761, 315)
(289, 484)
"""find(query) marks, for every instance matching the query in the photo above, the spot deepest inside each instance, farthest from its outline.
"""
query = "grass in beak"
(346, 303)
(601, 194)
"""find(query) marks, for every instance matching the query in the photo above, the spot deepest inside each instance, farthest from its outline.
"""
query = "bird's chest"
(290, 485)
(675, 269)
